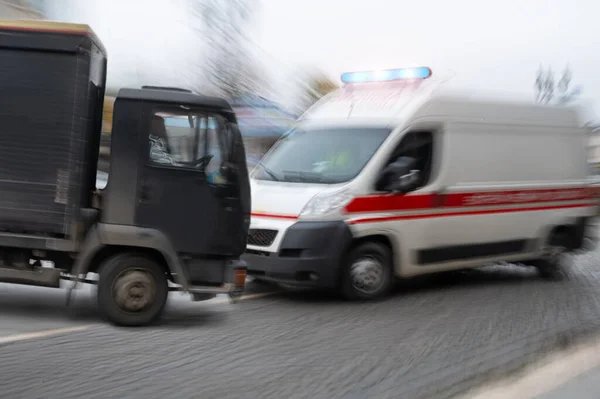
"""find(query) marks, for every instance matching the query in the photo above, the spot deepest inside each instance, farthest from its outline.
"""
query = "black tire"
(553, 269)
(550, 271)
(140, 270)
(377, 252)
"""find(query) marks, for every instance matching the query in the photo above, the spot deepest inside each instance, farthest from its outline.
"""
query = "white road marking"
(58, 331)
(545, 376)
(225, 299)
(41, 334)
(259, 295)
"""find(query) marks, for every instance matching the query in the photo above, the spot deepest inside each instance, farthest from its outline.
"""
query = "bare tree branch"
(228, 65)
(545, 87)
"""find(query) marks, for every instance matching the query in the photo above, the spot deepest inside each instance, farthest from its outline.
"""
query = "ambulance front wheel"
(368, 273)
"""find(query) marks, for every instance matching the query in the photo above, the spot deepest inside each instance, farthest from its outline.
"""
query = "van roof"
(392, 106)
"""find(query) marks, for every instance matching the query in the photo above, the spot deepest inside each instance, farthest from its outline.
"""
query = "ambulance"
(394, 176)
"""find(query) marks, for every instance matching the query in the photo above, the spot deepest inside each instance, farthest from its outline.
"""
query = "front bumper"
(310, 255)
(234, 281)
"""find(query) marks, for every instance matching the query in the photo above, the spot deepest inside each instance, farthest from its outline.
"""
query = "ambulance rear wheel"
(368, 272)
(132, 290)
(551, 266)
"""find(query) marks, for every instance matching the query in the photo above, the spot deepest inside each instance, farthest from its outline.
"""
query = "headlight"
(322, 204)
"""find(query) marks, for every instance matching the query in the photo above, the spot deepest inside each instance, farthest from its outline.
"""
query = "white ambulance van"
(392, 177)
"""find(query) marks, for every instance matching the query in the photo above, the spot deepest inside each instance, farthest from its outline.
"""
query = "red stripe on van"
(495, 199)
(467, 213)
(274, 216)
(394, 203)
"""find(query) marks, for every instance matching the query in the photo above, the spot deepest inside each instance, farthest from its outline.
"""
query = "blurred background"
(273, 58)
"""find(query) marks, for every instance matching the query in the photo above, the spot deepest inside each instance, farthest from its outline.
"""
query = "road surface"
(436, 337)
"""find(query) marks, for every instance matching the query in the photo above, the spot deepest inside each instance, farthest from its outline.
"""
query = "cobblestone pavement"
(434, 338)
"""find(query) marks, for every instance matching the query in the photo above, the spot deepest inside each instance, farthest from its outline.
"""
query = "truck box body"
(52, 79)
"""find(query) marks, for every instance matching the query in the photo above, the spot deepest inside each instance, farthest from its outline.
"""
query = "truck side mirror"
(399, 176)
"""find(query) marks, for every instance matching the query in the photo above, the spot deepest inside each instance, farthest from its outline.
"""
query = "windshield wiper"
(307, 177)
(269, 171)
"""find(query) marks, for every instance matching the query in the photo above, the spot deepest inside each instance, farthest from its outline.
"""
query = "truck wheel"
(368, 273)
(132, 290)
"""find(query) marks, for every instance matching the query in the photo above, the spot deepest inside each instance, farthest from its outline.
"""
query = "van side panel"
(505, 187)
(515, 154)
(498, 191)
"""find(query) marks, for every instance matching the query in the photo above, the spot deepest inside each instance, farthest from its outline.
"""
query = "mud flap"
(239, 271)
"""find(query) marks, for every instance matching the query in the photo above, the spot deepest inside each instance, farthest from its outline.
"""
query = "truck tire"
(368, 273)
(132, 290)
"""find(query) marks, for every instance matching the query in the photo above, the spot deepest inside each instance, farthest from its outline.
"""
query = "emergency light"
(387, 75)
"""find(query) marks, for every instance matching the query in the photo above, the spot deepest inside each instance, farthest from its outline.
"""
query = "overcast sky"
(495, 45)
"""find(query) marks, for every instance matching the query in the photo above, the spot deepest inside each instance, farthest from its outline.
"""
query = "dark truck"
(175, 212)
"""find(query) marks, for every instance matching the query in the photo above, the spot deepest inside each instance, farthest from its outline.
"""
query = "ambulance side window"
(417, 145)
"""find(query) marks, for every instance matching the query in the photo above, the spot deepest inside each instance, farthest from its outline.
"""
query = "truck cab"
(175, 209)
(176, 166)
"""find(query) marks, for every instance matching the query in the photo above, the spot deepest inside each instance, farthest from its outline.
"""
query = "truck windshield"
(324, 155)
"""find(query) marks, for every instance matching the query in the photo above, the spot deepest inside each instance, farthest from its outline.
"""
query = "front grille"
(261, 237)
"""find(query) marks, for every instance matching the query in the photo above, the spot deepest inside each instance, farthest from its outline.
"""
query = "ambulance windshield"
(323, 155)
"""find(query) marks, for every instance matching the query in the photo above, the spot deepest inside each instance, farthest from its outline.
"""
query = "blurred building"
(261, 122)
(594, 149)
(19, 9)
(260, 117)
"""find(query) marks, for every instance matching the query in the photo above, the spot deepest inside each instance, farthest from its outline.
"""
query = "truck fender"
(102, 234)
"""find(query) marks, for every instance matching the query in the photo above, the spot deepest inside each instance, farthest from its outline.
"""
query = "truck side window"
(419, 146)
(187, 140)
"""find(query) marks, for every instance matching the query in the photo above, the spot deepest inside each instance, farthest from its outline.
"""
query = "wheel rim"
(367, 274)
(134, 290)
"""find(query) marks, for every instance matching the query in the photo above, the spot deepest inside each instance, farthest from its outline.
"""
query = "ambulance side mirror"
(399, 176)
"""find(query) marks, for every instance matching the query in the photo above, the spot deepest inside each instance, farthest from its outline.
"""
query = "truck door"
(187, 189)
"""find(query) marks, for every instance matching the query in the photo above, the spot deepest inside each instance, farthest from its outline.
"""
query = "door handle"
(145, 193)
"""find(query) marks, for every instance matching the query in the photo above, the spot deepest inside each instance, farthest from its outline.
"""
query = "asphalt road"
(435, 338)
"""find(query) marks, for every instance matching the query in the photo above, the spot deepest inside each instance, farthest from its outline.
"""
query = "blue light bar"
(387, 75)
